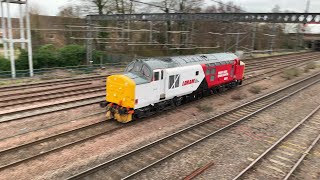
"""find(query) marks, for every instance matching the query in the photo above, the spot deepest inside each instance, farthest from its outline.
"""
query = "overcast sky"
(51, 7)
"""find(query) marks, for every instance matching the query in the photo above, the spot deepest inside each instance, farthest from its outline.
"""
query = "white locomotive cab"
(183, 80)
(169, 83)
(152, 92)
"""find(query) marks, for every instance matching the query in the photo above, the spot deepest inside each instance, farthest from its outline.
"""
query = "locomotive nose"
(121, 90)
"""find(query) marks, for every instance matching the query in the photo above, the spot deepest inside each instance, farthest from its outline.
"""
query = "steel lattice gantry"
(219, 17)
(8, 38)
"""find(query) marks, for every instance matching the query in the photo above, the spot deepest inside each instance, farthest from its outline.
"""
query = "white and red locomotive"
(155, 84)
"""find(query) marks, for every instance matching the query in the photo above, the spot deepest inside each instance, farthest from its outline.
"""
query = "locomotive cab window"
(211, 78)
(161, 74)
(156, 76)
(174, 81)
(213, 71)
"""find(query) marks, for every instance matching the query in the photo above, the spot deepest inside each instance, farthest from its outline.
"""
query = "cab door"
(158, 81)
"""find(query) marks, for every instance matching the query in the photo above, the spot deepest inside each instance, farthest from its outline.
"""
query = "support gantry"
(8, 37)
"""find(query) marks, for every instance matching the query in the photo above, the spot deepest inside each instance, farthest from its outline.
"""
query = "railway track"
(12, 117)
(283, 157)
(278, 56)
(50, 83)
(20, 101)
(53, 138)
(12, 156)
(4, 96)
(273, 72)
(42, 127)
(91, 78)
(307, 167)
(35, 111)
(284, 61)
(65, 139)
(248, 81)
(45, 95)
(136, 161)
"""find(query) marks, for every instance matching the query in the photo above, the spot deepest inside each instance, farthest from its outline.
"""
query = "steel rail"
(198, 171)
(302, 158)
(66, 91)
(276, 144)
(218, 131)
(77, 92)
(50, 126)
(271, 65)
(45, 90)
(49, 83)
(58, 148)
(279, 56)
(102, 112)
(272, 72)
(314, 79)
(52, 150)
(48, 138)
(8, 118)
(276, 60)
(279, 60)
(28, 110)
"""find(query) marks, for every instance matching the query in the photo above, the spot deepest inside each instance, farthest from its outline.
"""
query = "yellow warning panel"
(121, 90)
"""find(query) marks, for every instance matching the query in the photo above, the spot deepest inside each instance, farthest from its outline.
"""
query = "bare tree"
(69, 11)
(35, 9)
(92, 6)
(276, 9)
(105, 6)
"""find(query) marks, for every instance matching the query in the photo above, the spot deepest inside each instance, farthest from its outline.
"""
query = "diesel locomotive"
(152, 85)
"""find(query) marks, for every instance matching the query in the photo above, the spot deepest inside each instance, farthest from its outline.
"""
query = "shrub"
(238, 96)
(310, 65)
(22, 62)
(71, 55)
(291, 73)
(46, 57)
(204, 108)
(255, 89)
(4, 64)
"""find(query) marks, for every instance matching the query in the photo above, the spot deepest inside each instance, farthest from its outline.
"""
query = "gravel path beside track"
(232, 150)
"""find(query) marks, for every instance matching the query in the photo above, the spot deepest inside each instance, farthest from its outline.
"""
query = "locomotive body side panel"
(240, 71)
(183, 80)
(221, 74)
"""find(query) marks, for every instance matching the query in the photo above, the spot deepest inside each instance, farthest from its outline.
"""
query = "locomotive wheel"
(160, 107)
(178, 103)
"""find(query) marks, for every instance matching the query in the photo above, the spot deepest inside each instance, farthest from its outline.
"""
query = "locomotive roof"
(178, 61)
